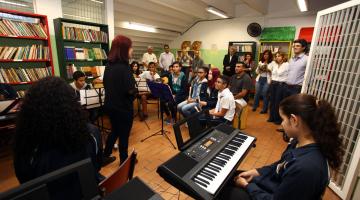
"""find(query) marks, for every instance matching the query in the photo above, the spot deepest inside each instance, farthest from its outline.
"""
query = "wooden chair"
(121, 176)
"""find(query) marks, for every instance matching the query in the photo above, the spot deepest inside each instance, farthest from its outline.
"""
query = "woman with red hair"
(120, 90)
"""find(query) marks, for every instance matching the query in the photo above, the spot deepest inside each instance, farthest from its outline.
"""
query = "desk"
(135, 189)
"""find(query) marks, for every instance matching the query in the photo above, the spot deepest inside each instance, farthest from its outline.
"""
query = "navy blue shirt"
(301, 173)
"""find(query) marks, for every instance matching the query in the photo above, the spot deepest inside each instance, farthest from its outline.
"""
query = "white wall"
(219, 33)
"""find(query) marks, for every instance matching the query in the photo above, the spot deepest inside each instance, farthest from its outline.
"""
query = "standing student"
(297, 66)
(302, 172)
(229, 62)
(148, 57)
(197, 62)
(166, 58)
(249, 63)
(52, 132)
(197, 93)
(177, 83)
(263, 81)
(278, 77)
(186, 60)
(120, 90)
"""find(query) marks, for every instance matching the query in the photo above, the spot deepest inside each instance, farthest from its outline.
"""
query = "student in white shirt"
(150, 75)
(263, 81)
(166, 58)
(225, 106)
(278, 77)
(148, 57)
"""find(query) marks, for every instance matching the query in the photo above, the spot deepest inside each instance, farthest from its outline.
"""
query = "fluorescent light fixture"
(302, 4)
(97, 1)
(77, 16)
(12, 3)
(216, 11)
(139, 27)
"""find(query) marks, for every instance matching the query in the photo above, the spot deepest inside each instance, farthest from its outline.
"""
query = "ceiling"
(173, 17)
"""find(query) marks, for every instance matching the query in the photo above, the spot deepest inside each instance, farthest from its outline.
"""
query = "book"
(33, 52)
(81, 34)
(73, 53)
(20, 28)
(18, 75)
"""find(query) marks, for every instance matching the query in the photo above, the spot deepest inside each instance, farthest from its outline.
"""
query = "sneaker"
(263, 112)
(108, 160)
(254, 109)
(270, 120)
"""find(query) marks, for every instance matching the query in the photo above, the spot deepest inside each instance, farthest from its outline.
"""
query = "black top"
(301, 173)
(119, 84)
(232, 63)
(238, 82)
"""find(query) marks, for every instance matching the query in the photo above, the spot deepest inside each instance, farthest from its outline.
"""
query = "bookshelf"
(276, 46)
(81, 45)
(244, 47)
(25, 49)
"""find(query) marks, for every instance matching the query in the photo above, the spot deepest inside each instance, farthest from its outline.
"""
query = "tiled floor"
(156, 150)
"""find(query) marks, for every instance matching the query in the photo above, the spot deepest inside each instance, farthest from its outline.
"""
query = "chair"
(240, 118)
(121, 176)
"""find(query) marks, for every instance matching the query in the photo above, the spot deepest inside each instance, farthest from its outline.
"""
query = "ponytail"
(320, 117)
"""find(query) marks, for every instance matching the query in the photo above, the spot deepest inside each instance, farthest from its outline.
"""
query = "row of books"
(21, 93)
(18, 28)
(90, 71)
(73, 53)
(16, 75)
(243, 48)
(29, 52)
(272, 48)
(88, 35)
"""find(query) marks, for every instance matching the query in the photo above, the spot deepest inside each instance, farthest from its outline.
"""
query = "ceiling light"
(97, 1)
(302, 4)
(216, 11)
(77, 16)
(12, 3)
(139, 27)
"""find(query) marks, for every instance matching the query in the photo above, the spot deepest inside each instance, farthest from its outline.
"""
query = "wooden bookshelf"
(276, 46)
(18, 41)
(243, 47)
(62, 42)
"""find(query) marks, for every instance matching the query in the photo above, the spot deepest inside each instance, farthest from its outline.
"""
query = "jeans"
(291, 90)
(276, 95)
(186, 109)
(121, 123)
(261, 89)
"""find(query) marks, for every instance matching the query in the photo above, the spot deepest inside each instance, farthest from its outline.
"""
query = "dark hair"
(120, 49)
(248, 53)
(151, 63)
(50, 117)
(225, 79)
(320, 117)
(270, 56)
(177, 62)
(303, 43)
(206, 69)
(242, 63)
(137, 72)
(166, 45)
(171, 66)
(78, 74)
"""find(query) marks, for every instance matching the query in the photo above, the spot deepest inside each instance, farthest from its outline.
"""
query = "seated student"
(210, 102)
(165, 74)
(150, 75)
(225, 106)
(240, 82)
(197, 93)
(50, 136)
(7, 92)
(79, 83)
(302, 171)
(135, 69)
(177, 84)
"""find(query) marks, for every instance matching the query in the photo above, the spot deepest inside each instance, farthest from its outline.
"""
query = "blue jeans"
(186, 109)
(261, 89)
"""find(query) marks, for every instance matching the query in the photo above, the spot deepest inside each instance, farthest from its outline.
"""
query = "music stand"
(164, 93)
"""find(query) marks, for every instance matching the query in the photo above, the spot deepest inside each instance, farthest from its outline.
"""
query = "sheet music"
(90, 98)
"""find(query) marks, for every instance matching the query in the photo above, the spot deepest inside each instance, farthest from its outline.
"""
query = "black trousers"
(291, 90)
(276, 95)
(121, 123)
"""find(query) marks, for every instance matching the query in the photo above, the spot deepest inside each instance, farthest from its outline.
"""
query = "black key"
(228, 152)
(216, 167)
(201, 179)
(200, 183)
(241, 140)
(231, 147)
(206, 176)
(235, 144)
(242, 136)
(224, 156)
(209, 173)
(212, 168)
(220, 161)
(238, 141)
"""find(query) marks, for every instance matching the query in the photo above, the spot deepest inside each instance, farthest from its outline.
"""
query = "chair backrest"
(121, 176)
